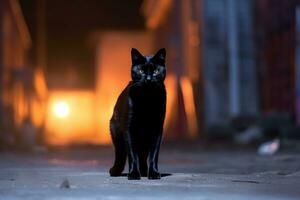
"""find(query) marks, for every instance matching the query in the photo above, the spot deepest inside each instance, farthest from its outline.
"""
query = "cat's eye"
(155, 71)
(141, 71)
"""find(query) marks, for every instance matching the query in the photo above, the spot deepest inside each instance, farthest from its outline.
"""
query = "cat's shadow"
(162, 174)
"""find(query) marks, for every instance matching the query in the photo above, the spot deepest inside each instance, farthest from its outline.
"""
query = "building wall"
(276, 54)
(1, 59)
(14, 43)
(13, 58)
(219, 56)
(216, 80)
(297, 70)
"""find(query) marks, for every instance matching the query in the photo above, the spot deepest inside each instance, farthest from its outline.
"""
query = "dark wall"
(69, 24)
(275, 20)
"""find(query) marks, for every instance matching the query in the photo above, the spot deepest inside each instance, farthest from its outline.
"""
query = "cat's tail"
(120, 153)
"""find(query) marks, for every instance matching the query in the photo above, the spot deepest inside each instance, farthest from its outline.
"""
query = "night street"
(195, 174)
(206, 92)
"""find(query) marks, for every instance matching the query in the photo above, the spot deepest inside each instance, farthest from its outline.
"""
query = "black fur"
(137, 122)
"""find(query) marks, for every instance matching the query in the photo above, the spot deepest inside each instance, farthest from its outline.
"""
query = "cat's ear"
(160, 57)
(136, 57)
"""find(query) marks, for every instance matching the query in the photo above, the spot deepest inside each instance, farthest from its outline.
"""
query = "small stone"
(65, 184)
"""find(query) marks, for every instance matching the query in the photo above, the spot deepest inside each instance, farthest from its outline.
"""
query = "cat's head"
(148, 68)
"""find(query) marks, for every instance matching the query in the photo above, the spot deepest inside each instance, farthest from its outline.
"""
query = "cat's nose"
(148, 78)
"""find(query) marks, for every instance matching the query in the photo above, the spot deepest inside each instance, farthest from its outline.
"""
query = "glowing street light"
(61, 109)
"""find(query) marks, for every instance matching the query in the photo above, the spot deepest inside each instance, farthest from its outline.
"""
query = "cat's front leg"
(153, 158)
(133, 160)
(134, 172)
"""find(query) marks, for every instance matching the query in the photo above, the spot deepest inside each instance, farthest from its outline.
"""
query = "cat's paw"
(115, 171)
(153, 175)
(135, 175)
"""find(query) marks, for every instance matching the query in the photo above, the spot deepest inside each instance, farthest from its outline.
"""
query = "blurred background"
(233, 68)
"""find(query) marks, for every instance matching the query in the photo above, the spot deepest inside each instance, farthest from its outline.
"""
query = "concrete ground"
(191, 172)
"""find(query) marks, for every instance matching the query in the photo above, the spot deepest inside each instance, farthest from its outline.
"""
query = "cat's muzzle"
(148, 78)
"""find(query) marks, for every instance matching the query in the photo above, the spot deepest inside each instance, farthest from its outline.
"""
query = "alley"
(188, 173)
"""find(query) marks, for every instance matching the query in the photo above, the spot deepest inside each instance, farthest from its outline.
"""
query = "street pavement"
(189, 172)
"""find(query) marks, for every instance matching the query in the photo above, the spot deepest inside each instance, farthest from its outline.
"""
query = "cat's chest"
(148, 99)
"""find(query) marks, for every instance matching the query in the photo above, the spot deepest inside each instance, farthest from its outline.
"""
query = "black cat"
(137, 123)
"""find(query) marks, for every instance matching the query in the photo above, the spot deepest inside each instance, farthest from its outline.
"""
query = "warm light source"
(61, 109)
(71, 118)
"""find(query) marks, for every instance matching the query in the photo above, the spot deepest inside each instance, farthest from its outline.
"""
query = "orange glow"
(113, 72)
(61, 109)
(39, 101)
(170, 84)
(38, 112)
(155, 12)
(189, 106)
(71, 118)
(19, 104)
(40, 83)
